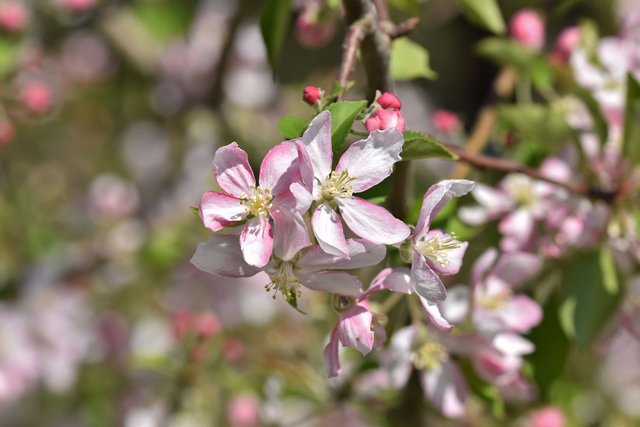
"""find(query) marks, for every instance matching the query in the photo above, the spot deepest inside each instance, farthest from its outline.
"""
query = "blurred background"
(111, 111)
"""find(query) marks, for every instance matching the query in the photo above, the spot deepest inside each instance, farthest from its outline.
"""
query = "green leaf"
(599, 122)
(485, 14)
(409, 61)
(506, 52)
(8, 51)
(292, 127)
(274, 23)
(165, 20)
(343, 114)
(552, 348)
(419, 145)
(592, 294)
(544, 125)
(631, 136)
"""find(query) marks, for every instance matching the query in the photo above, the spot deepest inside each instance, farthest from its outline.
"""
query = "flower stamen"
(337, 186)
(429, 356)
(259, 202)
(436, 248)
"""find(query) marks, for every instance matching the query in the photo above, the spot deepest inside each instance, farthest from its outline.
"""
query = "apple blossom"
(14, 16)
(364, 164)
(244, 200)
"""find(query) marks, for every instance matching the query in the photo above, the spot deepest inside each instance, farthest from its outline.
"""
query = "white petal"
(327, 228)
(221, 255)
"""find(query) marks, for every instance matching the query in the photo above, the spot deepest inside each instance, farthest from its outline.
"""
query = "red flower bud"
(208, 325)
(445, 121)
(566, 42)
(37, 97)
(312, 95)
(13, 16)
(385, 119)
(527, 27)
(389, 101)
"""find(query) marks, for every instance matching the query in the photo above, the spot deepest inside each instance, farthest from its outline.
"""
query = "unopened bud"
(36, 96)
(547, 417)
(527, 28)
(389, 101)
(446, 121)
(566, 42)
(385, 119)
(313, 33)
(312, 95)
(207, 325)
(13, 16)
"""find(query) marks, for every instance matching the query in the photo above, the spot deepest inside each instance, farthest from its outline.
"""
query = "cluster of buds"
(387, 114)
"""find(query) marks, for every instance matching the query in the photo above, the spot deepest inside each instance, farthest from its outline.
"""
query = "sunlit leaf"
(274, 23)
(292, 127)
(485, 14)
(409, 61)
(419, 145)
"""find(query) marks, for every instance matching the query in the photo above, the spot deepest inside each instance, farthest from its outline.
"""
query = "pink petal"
(290, 233)
(516, 228)
(435, 316)
(280, 168)
(425, 281)
(361, 253)
(354, 329)
(436, 197)
(372, 222)
(303, 198)
(327, 228)
(516, 268)
(446, 389)
(454, 256)
(521, 314)
(482, 265)
(332, 355)
(456, 307)
(317, 144)
(395, 280)
(219, 210)
(232, 170)
(221, 255)
(371, 160)
(512, 344)
(335, 282)
(256, 241)
(497, 201)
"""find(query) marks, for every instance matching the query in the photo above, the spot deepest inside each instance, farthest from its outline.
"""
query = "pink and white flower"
(434, 251)
(244, 200)
(364, 164)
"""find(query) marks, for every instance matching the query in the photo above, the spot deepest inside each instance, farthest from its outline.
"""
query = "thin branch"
(352, 41)
(404, 28)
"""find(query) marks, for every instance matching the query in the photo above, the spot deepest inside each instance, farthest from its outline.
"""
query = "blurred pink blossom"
(36, 97)
(549, 416)
(566, 42)
(244, 411)
(446, 121)
(527, 28)
(14, 16)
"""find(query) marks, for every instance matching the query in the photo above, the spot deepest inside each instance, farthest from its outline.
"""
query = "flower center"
(258, 202)
(284, 280)
(521, 189)
(429, 356)
(436, 248)
(337, 186)
(495, 301)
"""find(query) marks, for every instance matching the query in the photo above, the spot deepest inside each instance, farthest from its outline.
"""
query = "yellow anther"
(435, 248)
(430, 356)
(284, 280)
(258, 202)
(337, 186)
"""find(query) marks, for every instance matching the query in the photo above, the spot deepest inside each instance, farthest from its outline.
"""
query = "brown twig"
(352, 41)
(404, 28)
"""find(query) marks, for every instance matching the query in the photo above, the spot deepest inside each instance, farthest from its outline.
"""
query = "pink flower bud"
(389, 101)
(7, 132)
(208, 325)
(385, 119)
(78, 6)
(36, 96)
(13, 16)
(244, 411)
(232, 350)
(182, 323)
(312, 95)
(313, 33)
(527, 27)
(566, 42)
(446, 121)
(547, 417)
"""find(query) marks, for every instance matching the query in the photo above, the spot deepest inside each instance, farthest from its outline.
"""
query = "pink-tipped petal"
(446, 389)
(371, 160)
(256, 241)
(394, 280)
(279, 168)
(303, 197)
(453, 256)
(335, 282)
(290, 233)
(219, 210)
(232, 170)
(372, 222)
(354, 329)
(425, 281)
(482, 266)
(516, 268)
(521, 314)
(317, 143)
(361, 253)
(456, 307)
(332, 355)
(432, 311)
(221, 255)
(516, 228)
(436, 197)
(328, 230)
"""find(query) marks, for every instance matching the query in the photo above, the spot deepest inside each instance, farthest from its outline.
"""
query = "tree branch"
(352, 41)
